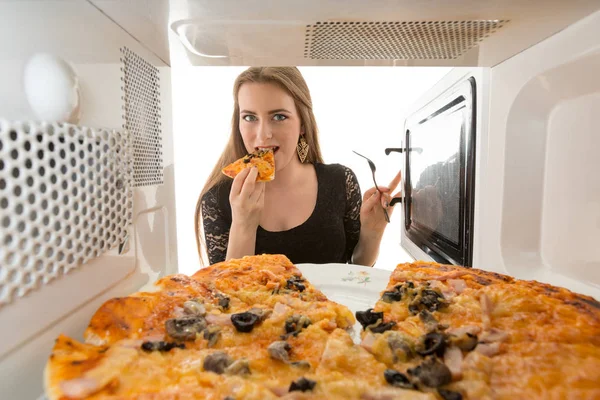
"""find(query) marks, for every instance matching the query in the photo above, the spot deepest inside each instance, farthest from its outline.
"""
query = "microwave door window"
(436, 175)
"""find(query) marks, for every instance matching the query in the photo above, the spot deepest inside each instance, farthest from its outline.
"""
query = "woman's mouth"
(275, 148)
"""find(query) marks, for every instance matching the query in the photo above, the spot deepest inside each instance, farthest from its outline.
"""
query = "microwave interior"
(513, 189)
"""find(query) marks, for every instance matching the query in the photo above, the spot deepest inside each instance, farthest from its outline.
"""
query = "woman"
(311, 212)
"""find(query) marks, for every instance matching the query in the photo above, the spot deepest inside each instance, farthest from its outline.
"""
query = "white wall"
(356, 109)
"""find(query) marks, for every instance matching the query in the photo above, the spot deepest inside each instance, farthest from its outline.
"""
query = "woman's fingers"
(372, 200)
(369, 193)
(385, 200)
(249, 183)
(238, 181)
(394, 183)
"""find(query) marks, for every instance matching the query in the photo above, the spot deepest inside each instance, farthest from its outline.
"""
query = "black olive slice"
(390, 297)
(244, 322)
(400, 347)
(397, 379)
(238, 367)
(368, 317)
(295, 283)
(212, 334)
(279, 350)
(427, 317)
(302, 385)
(413, 308)
(161, 346)
(295, 323)
(431, 373)
(382, 327)
(185, 328)
(432, 300)
(223, 301)
(217, 362)
(433, 342)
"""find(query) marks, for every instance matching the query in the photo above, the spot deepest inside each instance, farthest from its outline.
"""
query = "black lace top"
(329, 235)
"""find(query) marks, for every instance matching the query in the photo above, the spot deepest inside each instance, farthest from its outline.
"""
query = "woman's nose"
(264, 131)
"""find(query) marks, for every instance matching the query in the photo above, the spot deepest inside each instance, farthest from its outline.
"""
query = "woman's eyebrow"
(270, 112)
(279, 110)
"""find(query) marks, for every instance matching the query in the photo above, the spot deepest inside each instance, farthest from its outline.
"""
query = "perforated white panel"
(404, 40)
(65, 198)
(141, 95)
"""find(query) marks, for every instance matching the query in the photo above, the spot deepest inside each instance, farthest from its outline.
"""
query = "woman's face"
(268, 118)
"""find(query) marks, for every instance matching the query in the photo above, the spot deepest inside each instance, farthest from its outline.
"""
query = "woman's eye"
(249, 118)
(279, 117)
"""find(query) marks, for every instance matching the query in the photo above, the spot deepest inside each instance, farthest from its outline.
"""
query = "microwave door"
(439, 176)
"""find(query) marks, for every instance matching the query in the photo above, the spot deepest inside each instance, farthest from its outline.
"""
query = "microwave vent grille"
(406, 40)
(65, 198)
(142, 117)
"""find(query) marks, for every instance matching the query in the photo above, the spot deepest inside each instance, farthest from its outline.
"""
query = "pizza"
(473, 334)
(262, 159)
(255, 328)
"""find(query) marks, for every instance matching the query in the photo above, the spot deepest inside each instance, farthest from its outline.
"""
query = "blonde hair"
(288, 78)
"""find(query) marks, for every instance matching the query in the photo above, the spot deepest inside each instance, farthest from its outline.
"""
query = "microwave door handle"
(395, 200)
(393, 150)
(407, 183)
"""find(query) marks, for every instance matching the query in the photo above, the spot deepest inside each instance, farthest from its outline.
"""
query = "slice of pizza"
(472, 333)
(274, 282)
(264, 297)
(262, 159)
(132, 369)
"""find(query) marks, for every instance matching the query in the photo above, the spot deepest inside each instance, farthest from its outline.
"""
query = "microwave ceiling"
(344, 32)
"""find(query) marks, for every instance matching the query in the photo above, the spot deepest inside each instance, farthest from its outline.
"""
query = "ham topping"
(451, 275)
(280, 310)
(493, 335)
(368, 342)
(459, 285)
(488, 349)
(219, 319)
(463, 330)
(453, 359)
(486, 309)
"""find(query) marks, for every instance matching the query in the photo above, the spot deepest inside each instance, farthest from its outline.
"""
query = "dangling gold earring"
(302, 149)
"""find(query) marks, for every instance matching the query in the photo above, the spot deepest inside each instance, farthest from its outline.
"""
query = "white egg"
(52, 88)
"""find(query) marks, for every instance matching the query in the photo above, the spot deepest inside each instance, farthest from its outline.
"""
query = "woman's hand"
(373, 223)
(247, 198)
(372, 218)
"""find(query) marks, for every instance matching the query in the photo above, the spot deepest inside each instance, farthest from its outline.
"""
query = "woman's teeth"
(274, 148)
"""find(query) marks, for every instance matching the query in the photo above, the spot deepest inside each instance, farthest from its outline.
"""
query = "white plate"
(354, 286)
